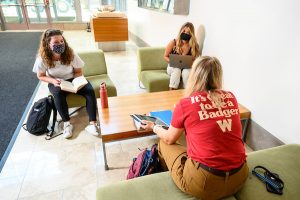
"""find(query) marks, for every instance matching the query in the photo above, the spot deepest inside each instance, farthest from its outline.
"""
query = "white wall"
(258, 43)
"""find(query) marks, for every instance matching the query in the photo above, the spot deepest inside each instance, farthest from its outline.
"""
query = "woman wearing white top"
(56, 61)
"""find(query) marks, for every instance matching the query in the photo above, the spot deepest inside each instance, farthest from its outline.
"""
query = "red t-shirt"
(213, 135)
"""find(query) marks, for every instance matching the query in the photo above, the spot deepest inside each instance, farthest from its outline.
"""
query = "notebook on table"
(181, 61)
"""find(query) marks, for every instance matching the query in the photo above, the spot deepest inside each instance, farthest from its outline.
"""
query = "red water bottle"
(103, 95)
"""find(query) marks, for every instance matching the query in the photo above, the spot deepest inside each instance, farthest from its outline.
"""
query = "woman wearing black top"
(184, 44)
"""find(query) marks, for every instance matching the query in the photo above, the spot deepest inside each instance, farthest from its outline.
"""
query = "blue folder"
(164, 115)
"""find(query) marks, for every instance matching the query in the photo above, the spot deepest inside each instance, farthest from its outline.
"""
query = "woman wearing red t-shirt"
(213, 165)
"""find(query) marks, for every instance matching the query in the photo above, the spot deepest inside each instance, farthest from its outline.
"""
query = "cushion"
(94, 62)
(283, 160)
(155, 80)
(145, 188)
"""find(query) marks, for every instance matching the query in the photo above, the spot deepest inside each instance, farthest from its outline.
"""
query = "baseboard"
(70, 26)
(137, 40)
(258, 138)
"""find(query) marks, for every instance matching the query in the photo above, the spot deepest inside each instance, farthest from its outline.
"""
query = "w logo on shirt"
(225, 124)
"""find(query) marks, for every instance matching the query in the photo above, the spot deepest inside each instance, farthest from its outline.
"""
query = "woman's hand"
(147, 125)
(56, 82)
(77, 72)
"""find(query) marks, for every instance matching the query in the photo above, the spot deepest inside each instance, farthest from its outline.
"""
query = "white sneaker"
(92, 129)
(68, 128)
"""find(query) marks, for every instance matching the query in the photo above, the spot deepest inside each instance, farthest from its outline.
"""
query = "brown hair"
(192, 42)
(46, 53)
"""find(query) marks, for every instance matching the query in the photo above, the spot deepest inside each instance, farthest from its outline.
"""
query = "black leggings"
(61, 103)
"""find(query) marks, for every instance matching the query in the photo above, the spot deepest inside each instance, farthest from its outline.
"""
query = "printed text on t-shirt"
(209, 110)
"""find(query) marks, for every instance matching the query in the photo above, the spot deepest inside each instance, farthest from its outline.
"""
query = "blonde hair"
(206, 75)
(46, 53)
(192, 42)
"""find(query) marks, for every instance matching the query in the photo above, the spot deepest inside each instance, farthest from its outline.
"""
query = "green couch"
(152, 68)
(283, 160)
(95, 71)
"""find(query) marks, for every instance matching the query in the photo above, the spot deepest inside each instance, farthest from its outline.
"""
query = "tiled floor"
(62, 169)
(73, 169)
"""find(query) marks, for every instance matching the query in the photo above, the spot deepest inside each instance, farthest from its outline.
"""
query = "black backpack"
(39, 116)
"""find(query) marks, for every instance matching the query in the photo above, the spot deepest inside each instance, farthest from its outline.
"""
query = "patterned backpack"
(147, 162)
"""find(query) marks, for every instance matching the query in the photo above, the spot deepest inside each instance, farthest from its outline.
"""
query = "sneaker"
(68, 130)
(92, 129)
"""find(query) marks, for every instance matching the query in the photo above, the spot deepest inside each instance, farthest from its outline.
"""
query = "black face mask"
(185, 36)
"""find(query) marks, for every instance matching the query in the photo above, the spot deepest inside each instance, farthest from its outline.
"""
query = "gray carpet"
(17, 83)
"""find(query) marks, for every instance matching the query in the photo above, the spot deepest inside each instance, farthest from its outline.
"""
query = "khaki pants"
(192, 179)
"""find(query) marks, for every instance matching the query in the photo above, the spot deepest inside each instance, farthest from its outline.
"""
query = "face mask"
(59, 48)
(185, 36)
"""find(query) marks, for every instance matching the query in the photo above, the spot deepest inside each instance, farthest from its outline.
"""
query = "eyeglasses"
(51, 32)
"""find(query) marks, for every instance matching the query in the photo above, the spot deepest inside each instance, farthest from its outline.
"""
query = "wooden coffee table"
(116, 123)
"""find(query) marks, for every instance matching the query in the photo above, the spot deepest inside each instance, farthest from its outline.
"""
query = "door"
(12, 15)
(35, 14)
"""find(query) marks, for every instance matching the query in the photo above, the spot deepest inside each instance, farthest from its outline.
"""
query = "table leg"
(246, 120)
(104, 156)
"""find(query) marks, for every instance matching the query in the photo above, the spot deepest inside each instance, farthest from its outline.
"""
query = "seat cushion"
(155, 80)
(152, 187)
(283, 160)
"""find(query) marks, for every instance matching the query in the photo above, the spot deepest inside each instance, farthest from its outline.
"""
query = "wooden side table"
(110, 32)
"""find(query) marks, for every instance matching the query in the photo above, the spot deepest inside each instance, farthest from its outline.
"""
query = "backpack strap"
(50, 135)
(51, 100)
(24, 126)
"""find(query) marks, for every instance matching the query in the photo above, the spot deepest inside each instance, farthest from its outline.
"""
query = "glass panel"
(62, 10)
(87, 8)
(36, 13)
(178, 7)
(7, 2)
(154, 4)
(171, 6)
(13, 14)
(120, 5)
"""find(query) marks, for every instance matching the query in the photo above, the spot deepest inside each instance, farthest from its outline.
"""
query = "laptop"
(181, 61)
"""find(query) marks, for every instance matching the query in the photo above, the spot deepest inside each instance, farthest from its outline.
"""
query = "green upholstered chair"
(283, 160)
(152, 68)
(95, 71)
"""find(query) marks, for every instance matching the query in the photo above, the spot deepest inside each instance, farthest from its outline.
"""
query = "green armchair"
(95, 71)
(152, 68)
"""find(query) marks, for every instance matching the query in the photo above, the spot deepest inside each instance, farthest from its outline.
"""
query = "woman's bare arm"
(169, 50)
(169, 136)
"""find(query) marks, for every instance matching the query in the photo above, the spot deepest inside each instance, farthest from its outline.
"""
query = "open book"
(73, 86)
